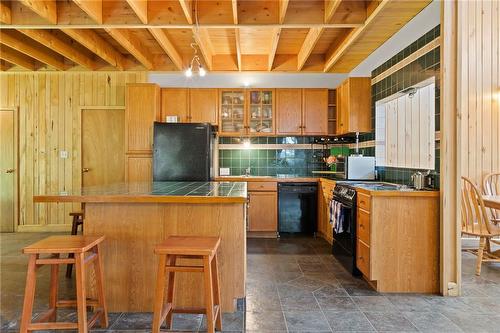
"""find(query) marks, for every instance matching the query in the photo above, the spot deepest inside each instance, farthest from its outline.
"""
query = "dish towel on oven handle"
(337, 216)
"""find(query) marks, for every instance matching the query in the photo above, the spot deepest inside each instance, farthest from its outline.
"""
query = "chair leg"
(170, 290)
(216, 284)
(81, 295)
(480, 251)
(209, 297)
(100, 287)
(74, 231)
(54, 288)
(29, 294)
(160, 294)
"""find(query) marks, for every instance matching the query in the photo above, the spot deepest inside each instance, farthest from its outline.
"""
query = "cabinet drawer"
(364, 201)
(363, 258)
(363, 226)
(262, 186)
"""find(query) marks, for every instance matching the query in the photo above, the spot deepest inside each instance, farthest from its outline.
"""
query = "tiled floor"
(293, 285)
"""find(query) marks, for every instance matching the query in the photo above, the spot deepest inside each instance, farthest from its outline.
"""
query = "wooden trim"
(45, 9)
(44, 228)
(169, 48)
(274, 46)
(138, 199)
(92, 8)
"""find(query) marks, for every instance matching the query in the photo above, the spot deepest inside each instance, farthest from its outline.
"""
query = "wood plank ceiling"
(232, 35)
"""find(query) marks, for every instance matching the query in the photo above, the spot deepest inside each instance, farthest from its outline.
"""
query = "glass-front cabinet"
(246, 112)
(232, 112)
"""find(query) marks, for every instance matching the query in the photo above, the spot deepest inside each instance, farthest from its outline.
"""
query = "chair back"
(491, 186)
(475, 220)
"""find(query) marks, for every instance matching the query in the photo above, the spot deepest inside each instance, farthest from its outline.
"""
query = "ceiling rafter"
(5, 13)
(283, 6)
(161, 37)
(331, 7)
(203, 40)
(234, 5)
(92, 8)
(17, 58)
(133, 45)
(96, 44)
(140, 8)
(5, 66)
(310, 41)
(46, 9)
(333, 56)
(187, 8)
(238, 48)
(55, 43)
(274, 46)
(52, 59)
(183, 26)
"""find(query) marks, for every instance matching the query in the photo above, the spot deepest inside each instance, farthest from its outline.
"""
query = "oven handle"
(343, 204)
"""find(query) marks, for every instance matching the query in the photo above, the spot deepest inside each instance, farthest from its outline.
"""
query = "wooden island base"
(133, 229)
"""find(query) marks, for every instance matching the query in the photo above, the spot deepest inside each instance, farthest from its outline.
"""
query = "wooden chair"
(491, 186)
(475, 222)
(175, 247)
(54, 246)
(77, 221)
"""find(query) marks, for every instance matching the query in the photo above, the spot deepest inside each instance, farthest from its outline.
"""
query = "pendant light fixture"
(195, 64)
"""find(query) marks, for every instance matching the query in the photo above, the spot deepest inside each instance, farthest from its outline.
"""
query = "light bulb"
(189, 72)
(246, 143)
(202, 71)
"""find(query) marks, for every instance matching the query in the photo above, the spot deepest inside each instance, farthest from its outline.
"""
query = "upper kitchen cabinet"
(260, 111)
(232, 112)
(142, 109)
(289, 111)
(175, 102)
(315, 112)
(203, 106)
(353, 105)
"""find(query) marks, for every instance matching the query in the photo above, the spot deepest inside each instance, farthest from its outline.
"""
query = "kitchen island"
(135, 217)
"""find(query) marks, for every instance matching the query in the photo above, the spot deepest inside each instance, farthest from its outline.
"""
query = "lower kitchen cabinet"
(324, 197)
(263, 211)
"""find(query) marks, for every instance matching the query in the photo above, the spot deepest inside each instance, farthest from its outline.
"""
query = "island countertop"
(155, 192)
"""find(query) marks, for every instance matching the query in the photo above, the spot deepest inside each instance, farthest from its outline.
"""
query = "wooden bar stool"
(77, 221)
(55, 246)
(190, 247)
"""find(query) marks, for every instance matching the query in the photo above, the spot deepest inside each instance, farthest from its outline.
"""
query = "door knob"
(85, 170)
(10, 170)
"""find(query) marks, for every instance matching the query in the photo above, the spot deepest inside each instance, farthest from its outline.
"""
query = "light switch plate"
(224, 171)
(63, 154)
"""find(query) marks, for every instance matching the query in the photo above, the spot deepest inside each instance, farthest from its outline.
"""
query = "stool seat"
(189, 246)
(79, 213)
(64, 244)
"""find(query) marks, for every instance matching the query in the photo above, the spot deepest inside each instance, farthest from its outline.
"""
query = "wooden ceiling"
(232, 35)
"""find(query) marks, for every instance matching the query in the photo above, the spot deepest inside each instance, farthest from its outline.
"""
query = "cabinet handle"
(361, 258)
(362, 202)
(85, 170)
(361, 225)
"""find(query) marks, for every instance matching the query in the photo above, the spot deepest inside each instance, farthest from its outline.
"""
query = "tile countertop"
(174, 192)
(282, 178)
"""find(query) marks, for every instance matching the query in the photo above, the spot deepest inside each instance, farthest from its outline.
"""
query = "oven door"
(344, 243)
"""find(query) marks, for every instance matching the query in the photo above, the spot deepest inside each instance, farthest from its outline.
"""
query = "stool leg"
(216, 284)
(209, 296)
(100, 287)
(54, 288)
(170, 290)
(29, 294)
(74, 231)
(81, 295)
(160, 294)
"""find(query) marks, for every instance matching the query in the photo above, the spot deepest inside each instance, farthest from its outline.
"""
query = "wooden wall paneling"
(288, 111)
(175, 102)
(401, 138)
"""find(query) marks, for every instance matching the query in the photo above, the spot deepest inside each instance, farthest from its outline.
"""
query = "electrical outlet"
(63, 154)
(224, 171)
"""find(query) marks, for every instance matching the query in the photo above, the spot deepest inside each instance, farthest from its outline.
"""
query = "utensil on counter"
(418, 179)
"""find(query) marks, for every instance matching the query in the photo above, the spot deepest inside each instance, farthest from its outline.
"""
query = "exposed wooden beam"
(50, 58)
(169, 48)
(183, 26)
(203, 40)
(17, 58)
(283, 6)
(92, 8)
(312, 38)
(330, 7)
(55, 43)
(46, 9)
(133, 45)
(274, 46)
(234, 4)
(96, 44)
(335, 55)
(4, 65)
(238, 47)
(140, 8)
(5, 13)
(187, 8)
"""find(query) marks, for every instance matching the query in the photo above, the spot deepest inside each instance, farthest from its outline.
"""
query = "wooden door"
(289, 111)
(103, 147)
(315, 112)
(175, 102)
(263, 211)
(203, 106)
(8, 172)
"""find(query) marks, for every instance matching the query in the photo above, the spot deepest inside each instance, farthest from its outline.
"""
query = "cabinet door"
(142, 108)
(289, 111)
(359, 100)
(232, 112)
(342, 108)
(203, 106)
(263, 211)
(261, 112)
(175, 102)
(315, 112)
(139, 168)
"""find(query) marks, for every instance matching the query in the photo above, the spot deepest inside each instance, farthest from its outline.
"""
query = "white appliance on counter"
(360, 168)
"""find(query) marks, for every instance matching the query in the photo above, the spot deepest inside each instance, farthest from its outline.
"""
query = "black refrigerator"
(183, 152)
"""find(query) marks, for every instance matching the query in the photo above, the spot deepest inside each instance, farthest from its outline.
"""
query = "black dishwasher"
(297, 207)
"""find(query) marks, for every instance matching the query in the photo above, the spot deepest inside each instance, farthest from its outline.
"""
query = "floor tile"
(431, 322)
(390, 322)
(265, 321)
(136, 320)
(310, 321)
(373, 303)
(336, 303)
(410, 303)
(348, 321)
(477, 323)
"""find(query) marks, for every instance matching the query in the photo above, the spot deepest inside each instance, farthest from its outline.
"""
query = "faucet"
(247, 171)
